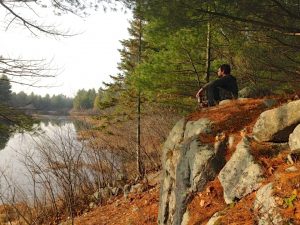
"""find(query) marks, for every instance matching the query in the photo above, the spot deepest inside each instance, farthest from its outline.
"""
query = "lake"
(51, 162)
(24, 149)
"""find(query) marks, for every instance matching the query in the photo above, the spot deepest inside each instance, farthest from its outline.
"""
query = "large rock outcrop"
(188, 165)
(241, 175)
(294, 140)
(191, 160)
(169, 160)
(277, 124)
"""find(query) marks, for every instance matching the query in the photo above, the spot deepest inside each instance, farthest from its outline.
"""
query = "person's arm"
(200, 92)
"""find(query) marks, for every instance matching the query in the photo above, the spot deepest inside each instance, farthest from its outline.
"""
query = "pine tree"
(5, 90)
(131, 57)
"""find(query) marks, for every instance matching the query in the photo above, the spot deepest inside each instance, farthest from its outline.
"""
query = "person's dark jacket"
(213, 88)
(227, 82)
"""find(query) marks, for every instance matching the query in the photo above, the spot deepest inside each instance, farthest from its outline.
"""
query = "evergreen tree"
(84, 99)
(108, 96)
(132, 55)
(260, 39)
(5, 90)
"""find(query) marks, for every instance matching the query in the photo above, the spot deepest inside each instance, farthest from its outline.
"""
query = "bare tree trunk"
(138, 149)
(193, 64)
(138, 134)
(208, 52)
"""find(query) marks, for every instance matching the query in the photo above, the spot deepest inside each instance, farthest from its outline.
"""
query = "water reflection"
(20, 147)
(6, 130)
(5, 134)
(53, 161)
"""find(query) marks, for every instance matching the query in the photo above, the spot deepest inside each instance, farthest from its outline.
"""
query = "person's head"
(224, 69)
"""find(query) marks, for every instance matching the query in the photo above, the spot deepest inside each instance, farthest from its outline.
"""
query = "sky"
(82, 61)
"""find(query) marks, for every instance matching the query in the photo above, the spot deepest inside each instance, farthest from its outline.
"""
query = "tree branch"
(288, 12)
(276, 27)
(29, 24)
(193, 65)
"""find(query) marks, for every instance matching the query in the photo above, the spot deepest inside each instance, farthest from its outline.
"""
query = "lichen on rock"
(266, 208)
(241, 175)
(188, 165)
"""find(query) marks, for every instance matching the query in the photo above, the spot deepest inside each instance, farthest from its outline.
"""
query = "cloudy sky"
(82, 61)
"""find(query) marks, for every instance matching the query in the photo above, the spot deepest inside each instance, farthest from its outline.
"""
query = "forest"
(175, 47)
(35, 103)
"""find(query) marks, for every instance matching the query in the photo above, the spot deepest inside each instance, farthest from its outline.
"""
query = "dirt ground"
(137, 209)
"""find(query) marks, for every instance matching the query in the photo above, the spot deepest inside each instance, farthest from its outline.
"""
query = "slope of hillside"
(236, 119)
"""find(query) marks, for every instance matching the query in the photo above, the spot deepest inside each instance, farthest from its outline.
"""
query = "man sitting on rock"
(225, 81)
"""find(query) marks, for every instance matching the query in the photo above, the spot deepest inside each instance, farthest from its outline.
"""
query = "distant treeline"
(58, 103)
(92, 100)
(84, 99)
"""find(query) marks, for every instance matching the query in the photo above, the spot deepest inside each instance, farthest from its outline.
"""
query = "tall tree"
(208, 51)
(5, 90)
(124, 94)
(139, 162)
(132, 56)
